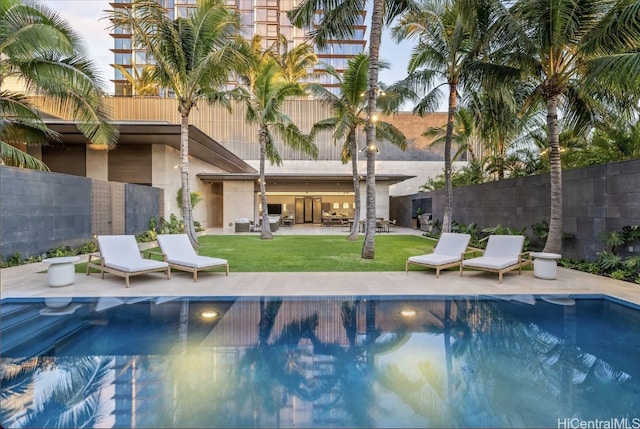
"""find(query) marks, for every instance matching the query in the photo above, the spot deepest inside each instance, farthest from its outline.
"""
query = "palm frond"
(389, 132)
(47, 55)
(13, 156)
(339, 19)
(295, 139)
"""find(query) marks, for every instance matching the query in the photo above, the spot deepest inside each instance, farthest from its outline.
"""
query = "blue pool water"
(509, 361)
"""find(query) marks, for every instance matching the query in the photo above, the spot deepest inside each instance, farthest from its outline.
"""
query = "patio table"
(544, 264)
(61, 270)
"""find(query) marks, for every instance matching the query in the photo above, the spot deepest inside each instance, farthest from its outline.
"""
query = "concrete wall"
(141, 202)
(166, 175)
(595, 199)
(238, 202)
(41, 210)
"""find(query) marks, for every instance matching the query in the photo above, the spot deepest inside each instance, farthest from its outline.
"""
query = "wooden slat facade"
(130, 164)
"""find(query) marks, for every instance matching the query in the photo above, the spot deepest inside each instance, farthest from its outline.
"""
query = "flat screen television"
(274, 209)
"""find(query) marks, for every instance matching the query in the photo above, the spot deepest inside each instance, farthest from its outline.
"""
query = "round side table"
(544, 265)
(61, 270)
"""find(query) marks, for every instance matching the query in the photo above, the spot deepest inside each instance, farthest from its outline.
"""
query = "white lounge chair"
(179, 253)
(503, 253)
(120, 255)
(449, 252)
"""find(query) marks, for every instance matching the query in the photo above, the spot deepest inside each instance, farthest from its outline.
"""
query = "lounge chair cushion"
(504, 246)
(198, 261)
(122, 253)
(447, 253)
(433, 259)
(178, 250)
(452, 244)
(490, 262)
(135, 266)
(502, 251)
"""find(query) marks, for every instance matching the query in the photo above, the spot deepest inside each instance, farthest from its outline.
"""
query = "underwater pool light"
(209, 314)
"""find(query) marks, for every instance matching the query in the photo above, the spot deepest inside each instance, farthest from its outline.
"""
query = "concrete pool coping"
(31, 281)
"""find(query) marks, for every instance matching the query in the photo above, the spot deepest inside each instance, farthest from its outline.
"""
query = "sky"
(87, 17)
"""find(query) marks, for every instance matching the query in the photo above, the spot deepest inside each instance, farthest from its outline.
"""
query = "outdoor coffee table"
(61, 270)
(544, 265)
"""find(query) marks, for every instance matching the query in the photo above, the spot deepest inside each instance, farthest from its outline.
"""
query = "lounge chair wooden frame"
(524, 258)
(186, 251)
(126, 274)
(462, 242)
(195, 270)
(103, 265)
(436, 267)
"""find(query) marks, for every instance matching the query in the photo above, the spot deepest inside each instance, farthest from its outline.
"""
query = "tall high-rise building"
(267, 18)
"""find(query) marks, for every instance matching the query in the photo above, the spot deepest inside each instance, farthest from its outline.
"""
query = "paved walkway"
(31, 281)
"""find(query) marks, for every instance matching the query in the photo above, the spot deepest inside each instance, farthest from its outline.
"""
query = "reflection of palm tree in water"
(544, 375)
(54, 391)
(431, 393)
(337, 378)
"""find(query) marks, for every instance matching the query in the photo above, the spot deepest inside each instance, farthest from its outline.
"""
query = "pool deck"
(31, 281)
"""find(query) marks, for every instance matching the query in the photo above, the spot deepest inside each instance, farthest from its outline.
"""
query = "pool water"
(508, 361)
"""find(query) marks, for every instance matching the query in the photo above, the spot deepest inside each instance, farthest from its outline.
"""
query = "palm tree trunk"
(353, 235)
(187, 213)
(368, 247)
(554, 239)
(265, 230)
(448, 355)
(448, 202)
(501, 157)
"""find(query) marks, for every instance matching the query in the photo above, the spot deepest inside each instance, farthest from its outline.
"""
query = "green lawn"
(301, 253)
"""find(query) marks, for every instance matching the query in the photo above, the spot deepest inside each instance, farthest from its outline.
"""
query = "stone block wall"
(598, 198)
(42, 210)
(141, 202)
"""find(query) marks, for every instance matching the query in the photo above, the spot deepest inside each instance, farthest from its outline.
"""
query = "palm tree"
(62, 391)
(465, 135)
(194, 57)
(339, 20)
(449, 34)
(349, 115)
(582, 56)
(295, 62)
(143, 82)
(43, 53)
(268, 89)
(500, 122)
(614, 141)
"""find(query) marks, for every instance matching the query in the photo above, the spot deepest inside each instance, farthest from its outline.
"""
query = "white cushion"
(199, 262)
(449, 248)
(433, 259)
(504, 246)
(121, 252)
(452, 244)
(178, 250)
(490, 262)
(176, 246)
(132, 267)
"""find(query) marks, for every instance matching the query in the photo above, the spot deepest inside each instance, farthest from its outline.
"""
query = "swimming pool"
(508, 361)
